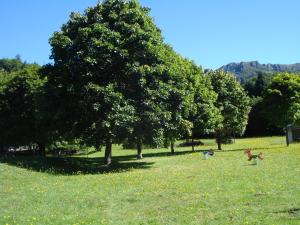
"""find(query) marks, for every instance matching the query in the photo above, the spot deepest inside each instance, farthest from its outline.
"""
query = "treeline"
(275, 99)
(114, 80)
(19, 85)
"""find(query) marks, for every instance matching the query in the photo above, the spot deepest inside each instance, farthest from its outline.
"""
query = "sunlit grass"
(160, 189)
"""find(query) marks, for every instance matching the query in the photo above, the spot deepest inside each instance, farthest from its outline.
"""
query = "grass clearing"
(159, 189)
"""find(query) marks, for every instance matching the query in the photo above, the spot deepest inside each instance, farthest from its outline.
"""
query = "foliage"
(176, 96)
(11, 65)
(258, 124)
(256, 86)
(147, 95)
(204, 114)
(114, 44)
(18, 106)
(233, 104)
(282, 100)
(113, 114)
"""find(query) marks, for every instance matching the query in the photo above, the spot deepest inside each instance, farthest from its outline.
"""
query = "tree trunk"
(193, 147)
(1, 150)
(219, 140)
(108, 147)
(36, 146)
(139, 150)
(41, 149)
(219, 144)
(99, 148)
(172, 148)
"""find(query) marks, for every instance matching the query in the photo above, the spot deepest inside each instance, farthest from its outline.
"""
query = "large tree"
(168, 100)
(203, 113)
(114, 43)
(233, 103)
(282, 100)
(147, 94)
(108, 117)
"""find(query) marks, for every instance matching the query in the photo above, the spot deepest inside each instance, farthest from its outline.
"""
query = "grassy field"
(160, 189)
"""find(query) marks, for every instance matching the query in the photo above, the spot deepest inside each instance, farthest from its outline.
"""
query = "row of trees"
(114, 80)
(37, 112)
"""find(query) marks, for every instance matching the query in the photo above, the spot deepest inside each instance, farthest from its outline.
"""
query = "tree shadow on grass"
(254, 149)
(167, 154)
(154, 154)
(73, 165)
(251, 164)
(83, 165)
(292, 212)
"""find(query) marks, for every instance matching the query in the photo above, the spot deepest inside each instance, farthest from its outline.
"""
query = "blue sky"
(210, 32)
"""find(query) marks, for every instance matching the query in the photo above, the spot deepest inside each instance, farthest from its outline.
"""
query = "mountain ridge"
(246, 70)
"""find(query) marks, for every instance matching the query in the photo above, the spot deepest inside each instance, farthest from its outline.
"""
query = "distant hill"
(246, 70)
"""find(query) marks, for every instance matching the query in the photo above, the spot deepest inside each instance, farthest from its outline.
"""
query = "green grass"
(160, 189)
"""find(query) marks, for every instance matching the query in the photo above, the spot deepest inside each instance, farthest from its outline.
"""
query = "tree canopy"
(11, 65)
(114, 44)
(282, 100)
(117, 45)
(233, 103)
(18, 92)
(114, 80)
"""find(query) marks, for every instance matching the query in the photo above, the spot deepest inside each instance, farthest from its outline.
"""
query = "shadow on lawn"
(291, 211)
(254, 149)
(73, 165)
(166, 154)
(83, 165)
